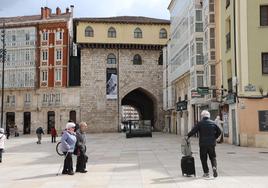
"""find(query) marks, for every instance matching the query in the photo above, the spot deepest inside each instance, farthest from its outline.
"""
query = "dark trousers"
(53, 139)
(1, 151)
(68, 162)
(81, 162)
(206, 151)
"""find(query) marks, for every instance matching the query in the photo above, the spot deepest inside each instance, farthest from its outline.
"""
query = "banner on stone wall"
(111, 83)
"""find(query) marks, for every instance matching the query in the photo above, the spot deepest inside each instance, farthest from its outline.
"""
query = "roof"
(125, 19)
(32, 18)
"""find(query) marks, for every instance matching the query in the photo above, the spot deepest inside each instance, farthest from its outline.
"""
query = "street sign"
(195, 94)
(202, 90)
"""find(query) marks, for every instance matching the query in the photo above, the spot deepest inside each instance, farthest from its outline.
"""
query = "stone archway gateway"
(144, 102)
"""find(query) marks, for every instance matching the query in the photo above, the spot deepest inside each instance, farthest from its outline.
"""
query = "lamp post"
(3, 55)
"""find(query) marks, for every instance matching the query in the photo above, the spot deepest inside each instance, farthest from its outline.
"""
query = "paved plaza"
(115, 161)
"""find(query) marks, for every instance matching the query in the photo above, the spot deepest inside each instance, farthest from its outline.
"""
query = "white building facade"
(186, 63)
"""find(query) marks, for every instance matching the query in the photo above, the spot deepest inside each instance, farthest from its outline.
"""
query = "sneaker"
(206, 175)
(215, 173)
(64, 172)
(70, 173)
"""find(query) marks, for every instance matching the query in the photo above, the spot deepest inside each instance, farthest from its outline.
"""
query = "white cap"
(205, 113)
(70, 125)
(2, 130)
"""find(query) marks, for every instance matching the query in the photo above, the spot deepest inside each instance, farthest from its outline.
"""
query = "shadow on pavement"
(38, 177)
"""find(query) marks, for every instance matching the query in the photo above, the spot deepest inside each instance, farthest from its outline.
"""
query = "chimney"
(47, 12)
(42, 13)
(58, 11)
(67, 10)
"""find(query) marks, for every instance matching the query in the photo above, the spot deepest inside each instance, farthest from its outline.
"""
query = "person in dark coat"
(81, 148)
(39, 132)
(53, 133)
(208, 133)
(8, 131)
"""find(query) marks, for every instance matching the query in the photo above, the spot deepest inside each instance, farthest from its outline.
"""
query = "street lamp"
(3, 57)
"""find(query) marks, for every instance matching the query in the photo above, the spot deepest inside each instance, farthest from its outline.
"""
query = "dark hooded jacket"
(208, 132)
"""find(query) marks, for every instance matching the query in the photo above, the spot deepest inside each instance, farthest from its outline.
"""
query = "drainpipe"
(236, 89)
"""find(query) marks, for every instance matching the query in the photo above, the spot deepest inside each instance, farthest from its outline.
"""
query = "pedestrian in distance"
(81, 148)
(219, 123)
(68, 141)
(54, 134)
(39, 132)
(2, 142)
(16, 131)
(208, 133)
(7, 131)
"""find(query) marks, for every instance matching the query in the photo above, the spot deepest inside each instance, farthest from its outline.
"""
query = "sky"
(89, 8)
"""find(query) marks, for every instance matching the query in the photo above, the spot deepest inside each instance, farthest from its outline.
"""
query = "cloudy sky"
(89, 8)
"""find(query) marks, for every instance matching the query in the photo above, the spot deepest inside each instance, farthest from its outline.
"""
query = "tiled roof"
(125, 19)
(33, 18)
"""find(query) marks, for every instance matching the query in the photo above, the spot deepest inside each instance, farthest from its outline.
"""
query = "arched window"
(163, 33)
(137, 33)
(137, 60)
(111, 59)
(111, 32)
(89, 32)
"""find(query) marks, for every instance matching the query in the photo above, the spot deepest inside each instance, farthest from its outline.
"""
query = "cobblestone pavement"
(115, 161)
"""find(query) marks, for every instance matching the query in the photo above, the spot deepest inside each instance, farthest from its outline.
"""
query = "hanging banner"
(111, 83)
(225, 124)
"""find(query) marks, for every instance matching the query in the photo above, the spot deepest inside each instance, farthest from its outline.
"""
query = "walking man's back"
(208, 133)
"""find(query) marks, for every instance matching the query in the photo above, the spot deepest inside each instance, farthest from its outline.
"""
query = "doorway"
(72, 116)
(26, 122)
(50, 121)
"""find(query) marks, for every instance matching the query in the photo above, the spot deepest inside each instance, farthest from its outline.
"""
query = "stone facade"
(101, 113)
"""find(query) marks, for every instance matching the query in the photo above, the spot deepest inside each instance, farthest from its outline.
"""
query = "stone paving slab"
(115, 161)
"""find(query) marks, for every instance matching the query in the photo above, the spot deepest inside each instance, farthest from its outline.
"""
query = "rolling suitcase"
(187, 161)
(187, 166)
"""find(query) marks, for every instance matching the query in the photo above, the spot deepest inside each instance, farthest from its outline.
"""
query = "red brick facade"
(49, 64)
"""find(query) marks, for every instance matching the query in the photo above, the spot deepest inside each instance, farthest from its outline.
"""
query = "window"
(199, 81)
(211, 18)
(198, 27)
(59, 35)
(27, 36)
(199, 48)
(89, 32)
(137, 60)
(198, 14)
(44, 55)
(264, 15)
(45, 36)
(212, 43)
(199, 59)
(13, 38)
(212, 55)
(111, 59)
(58, 74)
(212, 32)
(137, 33)
(45, 97)
(212, 75)
(57, 97)
(163, 33)
(112, 32)
(27, 55)
(44, 76)
(264, 63)
(27, 98)
(58, 54)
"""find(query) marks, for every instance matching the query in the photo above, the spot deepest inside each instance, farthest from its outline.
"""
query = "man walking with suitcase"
(208, 133)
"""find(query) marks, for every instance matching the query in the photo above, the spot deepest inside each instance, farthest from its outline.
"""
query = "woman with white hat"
(68, 141)
(2, 142)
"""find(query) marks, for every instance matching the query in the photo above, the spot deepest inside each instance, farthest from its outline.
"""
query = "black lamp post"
(3, 57)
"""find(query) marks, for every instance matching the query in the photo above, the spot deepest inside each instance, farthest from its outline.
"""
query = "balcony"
(228, 41)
